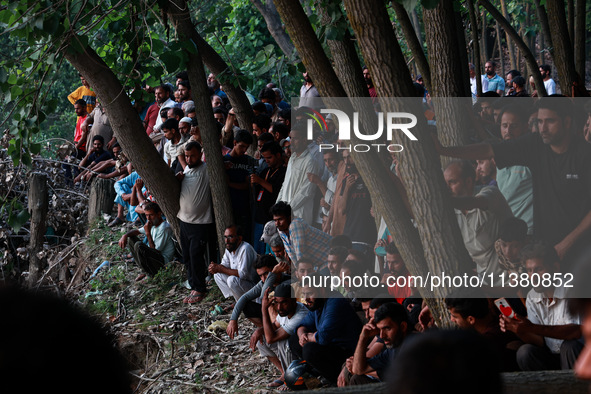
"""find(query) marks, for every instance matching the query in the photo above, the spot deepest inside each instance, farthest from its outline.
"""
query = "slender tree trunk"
(529, 57)
(269, 12)
(564, 59)
(417, 26)
(345, 59)
(484, 37)
(441, 31)
(179, 14)
(463, 50)
(416, 47)
(501, 52)
(475, 44)
(129, 130)
(543, 18)
(510, 46)
(580, 35)
(570, 4)
(38, 205)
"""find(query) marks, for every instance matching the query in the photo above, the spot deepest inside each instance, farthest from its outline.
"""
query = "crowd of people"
(522, 199)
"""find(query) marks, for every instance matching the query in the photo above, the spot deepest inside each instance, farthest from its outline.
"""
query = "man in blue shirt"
(491, 82)
(329, 334)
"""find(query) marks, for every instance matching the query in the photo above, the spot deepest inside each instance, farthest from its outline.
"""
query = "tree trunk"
(570, 4)
(419, 164)
(449, 81)
(211, 142)
(129, 130)
(475, 44)
(501, 53)
(564, 59)
(416, 47)
(580, 35)
(417, 26)
(510, 46)
(38, 205)
(101, 200)
(269, 12)
(345, 59)
(543, 18)
(529, 57)
(484, 37)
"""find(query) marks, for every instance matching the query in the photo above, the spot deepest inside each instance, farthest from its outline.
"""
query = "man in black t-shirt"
(266, 187)
(560, 163)
(239, 167)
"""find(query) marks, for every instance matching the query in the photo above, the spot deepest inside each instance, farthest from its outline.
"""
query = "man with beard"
(309, 96)
(486, 172)
(184, 90)
(195, 218)
(272, 339)
(491, 82)
(162, 100)
(215, 87)
(390, 322)
(328, 335)
(396, 268)
(95, 155)
(236, 274)
(549, 83)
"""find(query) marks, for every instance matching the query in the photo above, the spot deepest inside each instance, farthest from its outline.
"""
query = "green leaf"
(170, 60)
(35, 148)
(26, 159)
(17, 220)
(12, 79)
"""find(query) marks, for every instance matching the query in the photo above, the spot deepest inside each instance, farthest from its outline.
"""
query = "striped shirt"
(303, 240)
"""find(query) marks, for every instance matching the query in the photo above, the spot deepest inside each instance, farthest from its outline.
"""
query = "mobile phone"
(505, 308)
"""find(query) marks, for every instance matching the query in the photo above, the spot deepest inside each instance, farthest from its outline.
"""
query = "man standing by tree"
(162, 97)
(100, 126)
(85, 93)
(491, 82)
(479, 217)
(309, 96)
(549, 83)
(297, 190)
(195, 217)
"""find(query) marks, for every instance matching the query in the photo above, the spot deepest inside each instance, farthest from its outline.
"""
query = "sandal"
(275, 384)
(194, 297)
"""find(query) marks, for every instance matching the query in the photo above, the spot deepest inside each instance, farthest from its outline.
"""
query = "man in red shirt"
(162, 96)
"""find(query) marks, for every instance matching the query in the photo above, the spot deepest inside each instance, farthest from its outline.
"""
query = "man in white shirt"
(550, 333)
(195, 218)
(549, 83)
(236, 274)
(297, 190)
